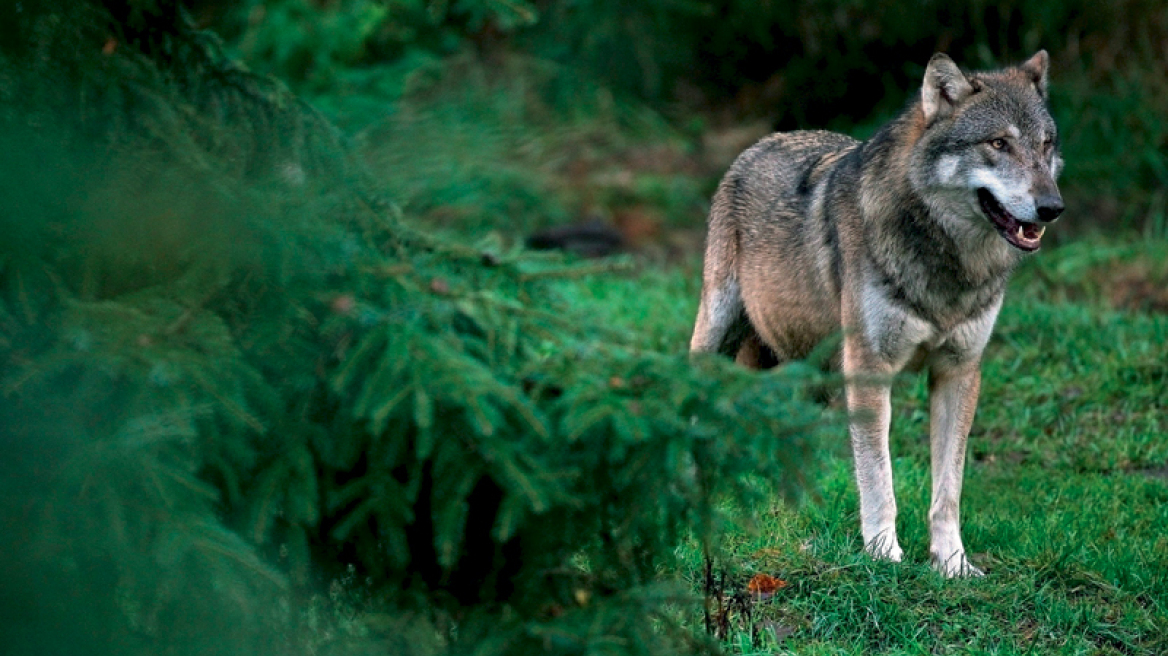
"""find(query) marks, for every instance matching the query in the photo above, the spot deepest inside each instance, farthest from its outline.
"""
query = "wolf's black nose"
(1049, 208)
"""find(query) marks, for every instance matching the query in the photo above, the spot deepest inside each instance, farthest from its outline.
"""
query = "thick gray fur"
(893, 241)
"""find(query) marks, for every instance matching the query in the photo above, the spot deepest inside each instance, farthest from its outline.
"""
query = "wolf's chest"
(906, 339)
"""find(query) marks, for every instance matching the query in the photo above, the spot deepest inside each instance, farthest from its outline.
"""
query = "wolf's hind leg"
(754, 353)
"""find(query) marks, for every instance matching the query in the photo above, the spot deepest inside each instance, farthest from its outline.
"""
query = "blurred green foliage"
(515, 148)
(845, 66)
(232, 376)
(317, 44)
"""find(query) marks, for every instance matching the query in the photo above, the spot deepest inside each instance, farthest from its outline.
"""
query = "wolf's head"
(988, 155)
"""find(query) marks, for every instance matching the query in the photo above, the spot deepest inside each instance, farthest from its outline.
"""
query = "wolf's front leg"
(869, 416)
(952, 401)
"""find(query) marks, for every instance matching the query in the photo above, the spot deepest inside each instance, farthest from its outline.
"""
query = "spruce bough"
(231, 374)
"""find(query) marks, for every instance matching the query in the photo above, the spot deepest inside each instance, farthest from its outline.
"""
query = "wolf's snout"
(1048, 208)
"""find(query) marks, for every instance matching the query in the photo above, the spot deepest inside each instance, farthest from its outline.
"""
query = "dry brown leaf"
(765, 585)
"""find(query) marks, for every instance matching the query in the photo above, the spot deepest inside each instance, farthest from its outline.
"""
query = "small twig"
(180, 324)
(709, 590)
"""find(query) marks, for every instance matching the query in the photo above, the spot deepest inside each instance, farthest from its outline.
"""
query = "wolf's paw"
(955, 566)
(885, 548)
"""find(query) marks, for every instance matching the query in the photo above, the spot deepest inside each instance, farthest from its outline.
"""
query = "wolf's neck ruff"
(927, 271)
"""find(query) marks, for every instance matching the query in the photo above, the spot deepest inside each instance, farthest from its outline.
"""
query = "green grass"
(1066, 495)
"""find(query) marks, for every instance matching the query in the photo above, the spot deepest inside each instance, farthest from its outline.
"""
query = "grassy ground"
(1066, 495)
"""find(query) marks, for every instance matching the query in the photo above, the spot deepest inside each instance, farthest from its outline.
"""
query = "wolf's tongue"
(1026, 232)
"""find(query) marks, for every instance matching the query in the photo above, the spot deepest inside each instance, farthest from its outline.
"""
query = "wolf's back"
(776, 176)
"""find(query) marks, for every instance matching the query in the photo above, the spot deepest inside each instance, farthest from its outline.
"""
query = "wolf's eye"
(998, 144)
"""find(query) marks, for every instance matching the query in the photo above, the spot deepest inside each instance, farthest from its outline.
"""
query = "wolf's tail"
(722, 325)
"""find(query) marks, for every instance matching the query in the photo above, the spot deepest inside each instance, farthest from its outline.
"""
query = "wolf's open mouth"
(1022, 235)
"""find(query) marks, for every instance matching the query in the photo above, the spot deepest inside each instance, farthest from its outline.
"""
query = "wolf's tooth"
(1041, 229)
(1018, 233)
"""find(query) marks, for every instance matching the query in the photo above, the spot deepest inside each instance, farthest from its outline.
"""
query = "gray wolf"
(904, 243)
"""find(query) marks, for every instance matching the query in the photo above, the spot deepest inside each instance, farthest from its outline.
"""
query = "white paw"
(956, 565)
(885, 547)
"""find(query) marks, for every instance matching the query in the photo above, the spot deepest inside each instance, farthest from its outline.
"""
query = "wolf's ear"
(1037, 68)
(945, 86)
